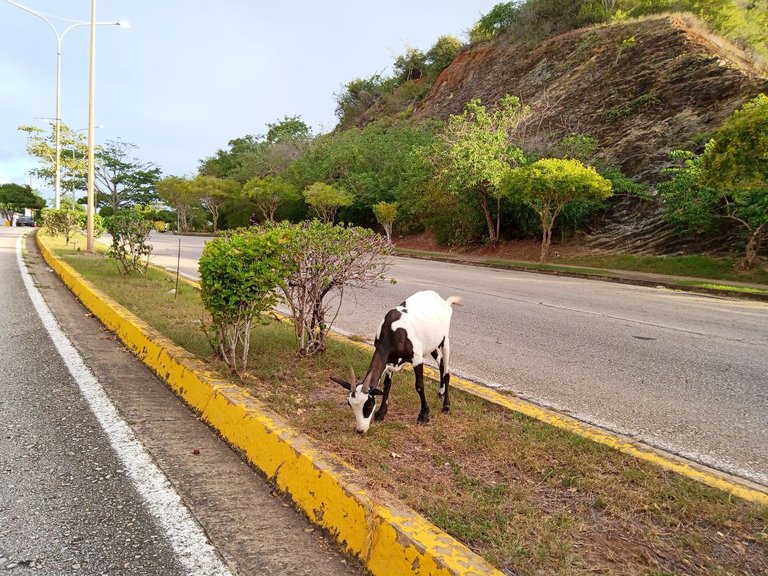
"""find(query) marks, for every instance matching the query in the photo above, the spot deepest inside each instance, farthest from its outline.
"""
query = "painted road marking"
(185, 535)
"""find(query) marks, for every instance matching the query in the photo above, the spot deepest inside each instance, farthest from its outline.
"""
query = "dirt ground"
(521, 250)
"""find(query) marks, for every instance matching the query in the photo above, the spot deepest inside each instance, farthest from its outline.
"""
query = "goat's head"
(362, 400)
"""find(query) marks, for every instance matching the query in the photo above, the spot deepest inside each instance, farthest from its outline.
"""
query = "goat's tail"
(455, 301)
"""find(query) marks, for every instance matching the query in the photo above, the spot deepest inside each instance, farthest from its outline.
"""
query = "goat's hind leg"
(445, 376)
(418, 370)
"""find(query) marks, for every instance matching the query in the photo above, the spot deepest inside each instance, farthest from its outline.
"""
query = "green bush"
(63, 222)
(239, 273)
(67, 221)
(130, 248)
(328, 260)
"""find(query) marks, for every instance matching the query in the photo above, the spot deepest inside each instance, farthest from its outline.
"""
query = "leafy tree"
(15, 198)
(498, 20)
(478, 153)
(386, 212)
(212, 193)
(359, 95)
(728, 181)
(258, 156)
(738, 159)
(130, 232)
(178, 193)
(442, 54)
(228, 163)
(268, 193)
(548, 185)
(42, 145)
(122, 180)
(326, 200)
(328, 260)
(410, 66)
(239, 275)
(63, 222)
(289, 129)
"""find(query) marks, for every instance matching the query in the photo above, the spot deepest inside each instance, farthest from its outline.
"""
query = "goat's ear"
(375, 392)
(342, 383)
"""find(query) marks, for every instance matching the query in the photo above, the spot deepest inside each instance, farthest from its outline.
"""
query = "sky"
(187, 76)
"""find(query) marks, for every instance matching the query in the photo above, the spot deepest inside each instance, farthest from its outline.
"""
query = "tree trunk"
(546, 239)
(753, 247)
(488, 218)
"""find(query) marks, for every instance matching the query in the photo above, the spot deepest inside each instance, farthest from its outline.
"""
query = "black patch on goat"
(397, 342)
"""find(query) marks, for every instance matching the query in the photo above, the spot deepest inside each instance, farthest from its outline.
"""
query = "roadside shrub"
(159, 225)
(130, 248)
(67, 221)
(328, 260)
(63, 222)
(239, 273)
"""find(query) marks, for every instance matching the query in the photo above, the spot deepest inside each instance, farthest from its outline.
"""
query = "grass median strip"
(530, 498)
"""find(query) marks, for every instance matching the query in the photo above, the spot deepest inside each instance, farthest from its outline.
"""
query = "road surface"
(104, 471)
(680, 371)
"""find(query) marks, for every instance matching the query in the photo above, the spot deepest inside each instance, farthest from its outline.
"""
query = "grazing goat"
(419, 326)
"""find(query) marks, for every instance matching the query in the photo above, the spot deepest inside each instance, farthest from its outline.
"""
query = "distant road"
(683, 372)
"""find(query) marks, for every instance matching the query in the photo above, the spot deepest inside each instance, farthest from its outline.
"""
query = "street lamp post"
(59, 37)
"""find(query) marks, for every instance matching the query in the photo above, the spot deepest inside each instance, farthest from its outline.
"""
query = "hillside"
(642, 87)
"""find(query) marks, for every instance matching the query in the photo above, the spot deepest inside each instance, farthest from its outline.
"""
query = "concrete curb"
(387, 536)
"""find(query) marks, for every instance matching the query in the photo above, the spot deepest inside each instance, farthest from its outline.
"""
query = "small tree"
(239, 273)
(268, 193)
(326, 200)
(736, 162)
(329, 259)
(63, 222)
(385, 213)
(213, 193)
(130, 232)
(478, 153)
(178, 193)
(550, 184)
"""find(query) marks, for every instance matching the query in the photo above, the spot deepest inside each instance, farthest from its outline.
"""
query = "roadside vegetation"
(530, 498)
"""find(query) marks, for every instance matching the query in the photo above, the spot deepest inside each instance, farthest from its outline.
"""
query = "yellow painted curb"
(390, 538)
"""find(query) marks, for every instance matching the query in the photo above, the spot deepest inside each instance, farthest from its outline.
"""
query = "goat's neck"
(375, 370)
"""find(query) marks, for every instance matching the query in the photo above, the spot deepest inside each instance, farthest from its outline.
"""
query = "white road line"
(187, 538)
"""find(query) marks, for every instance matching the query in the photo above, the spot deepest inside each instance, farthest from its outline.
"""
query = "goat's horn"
(353, 379)
(342, 383)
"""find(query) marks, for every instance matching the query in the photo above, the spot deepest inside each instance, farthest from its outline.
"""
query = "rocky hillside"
(642, 88)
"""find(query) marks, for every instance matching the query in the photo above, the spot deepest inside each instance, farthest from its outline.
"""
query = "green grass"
(693, 266)
(530, 498)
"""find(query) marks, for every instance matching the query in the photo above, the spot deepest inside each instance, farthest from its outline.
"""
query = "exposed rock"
(642, 88)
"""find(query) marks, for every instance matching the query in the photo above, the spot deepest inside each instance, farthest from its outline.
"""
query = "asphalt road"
(104, 471)
(679, 371)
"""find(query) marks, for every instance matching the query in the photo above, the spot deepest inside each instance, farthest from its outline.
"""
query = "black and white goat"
(419, 326)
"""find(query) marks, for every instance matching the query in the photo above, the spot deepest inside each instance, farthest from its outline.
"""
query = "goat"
(417, 327)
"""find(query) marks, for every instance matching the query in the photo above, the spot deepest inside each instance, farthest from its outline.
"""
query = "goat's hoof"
(446, 408)
(423, 418)
(378, 417)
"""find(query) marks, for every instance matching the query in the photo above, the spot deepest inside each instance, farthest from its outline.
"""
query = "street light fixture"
(59, 37)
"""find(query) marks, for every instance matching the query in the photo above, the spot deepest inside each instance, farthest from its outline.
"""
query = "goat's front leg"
(382, 411)
(424, 413)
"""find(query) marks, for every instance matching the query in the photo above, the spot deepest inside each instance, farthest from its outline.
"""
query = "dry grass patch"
(530, 498)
